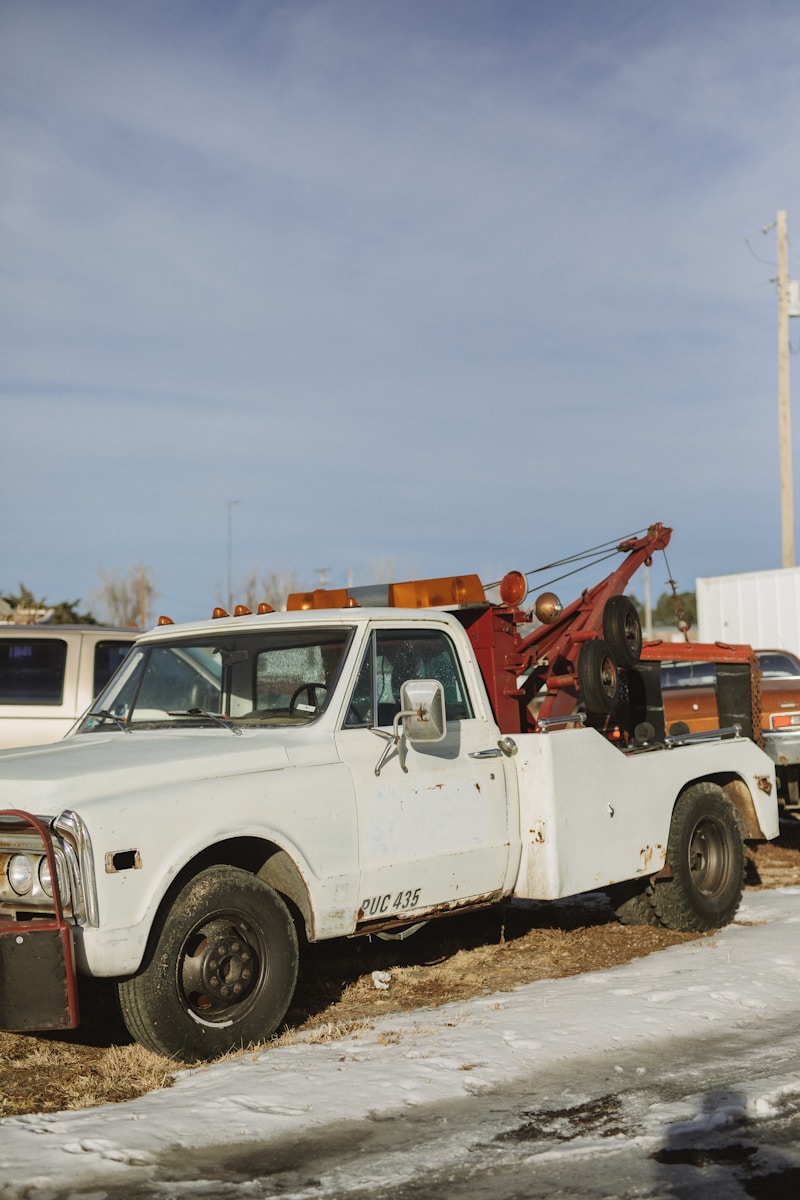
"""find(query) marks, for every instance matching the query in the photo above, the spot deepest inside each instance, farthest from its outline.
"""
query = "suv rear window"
(107, 657)
(32, 670)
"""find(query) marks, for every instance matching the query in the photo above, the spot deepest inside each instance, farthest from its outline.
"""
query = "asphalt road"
(695, 1119)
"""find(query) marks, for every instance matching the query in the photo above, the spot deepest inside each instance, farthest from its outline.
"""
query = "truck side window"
(361, 707)
(396, 655)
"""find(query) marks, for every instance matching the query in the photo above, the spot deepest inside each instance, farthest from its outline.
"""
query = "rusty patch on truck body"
(650, 853)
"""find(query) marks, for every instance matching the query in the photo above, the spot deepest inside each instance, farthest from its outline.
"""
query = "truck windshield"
(272, 678)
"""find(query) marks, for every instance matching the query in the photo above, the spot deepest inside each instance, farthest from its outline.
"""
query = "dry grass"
(449, 960)
(47, 1075)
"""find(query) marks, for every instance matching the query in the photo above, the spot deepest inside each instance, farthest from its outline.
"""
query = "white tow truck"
(361, 763)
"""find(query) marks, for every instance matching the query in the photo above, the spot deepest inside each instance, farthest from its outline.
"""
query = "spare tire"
(598, 677)
(622, 629)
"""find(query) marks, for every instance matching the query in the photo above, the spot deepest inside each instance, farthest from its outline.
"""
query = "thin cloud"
(334, 257)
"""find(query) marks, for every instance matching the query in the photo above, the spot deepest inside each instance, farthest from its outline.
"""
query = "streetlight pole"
(231, 503)
(784, 411)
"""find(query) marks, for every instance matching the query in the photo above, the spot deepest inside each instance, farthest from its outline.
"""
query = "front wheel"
(705, 852)
(221, 972)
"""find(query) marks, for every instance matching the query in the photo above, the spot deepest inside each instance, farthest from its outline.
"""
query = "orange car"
(690, 695)
(690, 692)
(780, 690)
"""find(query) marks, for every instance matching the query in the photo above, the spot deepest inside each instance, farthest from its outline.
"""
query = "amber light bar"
(320, 598)
(417, 593)
(428, 593)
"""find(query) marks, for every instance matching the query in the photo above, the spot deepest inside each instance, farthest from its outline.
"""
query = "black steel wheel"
(221, 971)
(622, 629)
(598, 676)
(705, 853)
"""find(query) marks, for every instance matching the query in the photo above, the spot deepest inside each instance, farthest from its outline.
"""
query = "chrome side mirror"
(422, 718)
(422, 710)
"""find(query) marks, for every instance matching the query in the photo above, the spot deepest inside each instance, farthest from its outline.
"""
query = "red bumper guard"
(38, 984)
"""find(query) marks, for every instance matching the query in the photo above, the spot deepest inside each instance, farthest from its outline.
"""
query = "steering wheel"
(310, 690)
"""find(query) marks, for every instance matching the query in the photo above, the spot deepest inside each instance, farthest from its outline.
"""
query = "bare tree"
(272, 588)
(125, 595)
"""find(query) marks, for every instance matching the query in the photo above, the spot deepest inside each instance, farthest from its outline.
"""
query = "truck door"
(436, 834)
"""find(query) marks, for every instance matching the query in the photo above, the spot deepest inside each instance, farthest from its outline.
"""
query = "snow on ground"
(748, 973)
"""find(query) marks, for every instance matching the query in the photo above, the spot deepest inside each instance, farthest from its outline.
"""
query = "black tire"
(598, 677)
(622, 629)
(633, 903)
(221, 971)
(706, 854)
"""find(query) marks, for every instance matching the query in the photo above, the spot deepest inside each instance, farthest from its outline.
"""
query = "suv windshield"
(267, 678)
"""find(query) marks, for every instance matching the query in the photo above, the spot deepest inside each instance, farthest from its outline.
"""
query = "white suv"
(49, 675)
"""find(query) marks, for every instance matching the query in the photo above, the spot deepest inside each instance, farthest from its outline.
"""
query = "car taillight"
(784, 720)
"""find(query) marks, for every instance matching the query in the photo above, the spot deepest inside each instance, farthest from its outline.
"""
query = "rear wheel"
(221, 972)
(706, 854)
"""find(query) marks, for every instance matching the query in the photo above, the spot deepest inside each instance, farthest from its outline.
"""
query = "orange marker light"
(513, 588)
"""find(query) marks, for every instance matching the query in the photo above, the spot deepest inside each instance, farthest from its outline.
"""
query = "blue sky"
(450, 286)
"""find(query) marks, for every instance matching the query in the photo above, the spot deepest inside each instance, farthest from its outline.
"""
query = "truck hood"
(99, 766)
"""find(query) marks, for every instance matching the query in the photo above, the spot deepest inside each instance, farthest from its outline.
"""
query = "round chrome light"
(46, 881)
(44, 877)
(20, 873)
(548, 608)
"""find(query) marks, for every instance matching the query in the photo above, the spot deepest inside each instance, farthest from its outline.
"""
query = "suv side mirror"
(423, 710)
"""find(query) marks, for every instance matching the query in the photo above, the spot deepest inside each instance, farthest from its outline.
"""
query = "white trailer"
(757, 608)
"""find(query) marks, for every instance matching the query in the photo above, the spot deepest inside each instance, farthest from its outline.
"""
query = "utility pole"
(784, 411)
(231, 503)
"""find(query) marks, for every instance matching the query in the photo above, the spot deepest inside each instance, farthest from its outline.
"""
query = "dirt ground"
(448, 960)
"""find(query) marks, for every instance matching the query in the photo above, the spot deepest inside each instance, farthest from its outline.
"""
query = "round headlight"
(45, 878)
(46, 881)
(20, 873)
